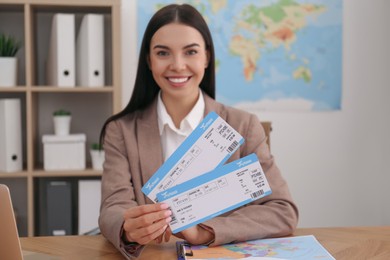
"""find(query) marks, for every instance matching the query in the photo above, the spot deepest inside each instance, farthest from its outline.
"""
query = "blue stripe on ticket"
(218, 172)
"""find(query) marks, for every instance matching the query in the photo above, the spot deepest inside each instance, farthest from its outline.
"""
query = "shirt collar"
(192, 119)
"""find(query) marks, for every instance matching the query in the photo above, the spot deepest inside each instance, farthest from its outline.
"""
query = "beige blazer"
(133, 154)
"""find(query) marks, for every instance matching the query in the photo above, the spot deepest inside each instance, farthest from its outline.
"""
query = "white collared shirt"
(171, 136)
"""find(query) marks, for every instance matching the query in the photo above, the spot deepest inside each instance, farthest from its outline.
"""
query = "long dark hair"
(145, 87)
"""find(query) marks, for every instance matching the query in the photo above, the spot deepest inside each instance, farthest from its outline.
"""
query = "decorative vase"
(62, 125)
(97, 157)
(8, 71)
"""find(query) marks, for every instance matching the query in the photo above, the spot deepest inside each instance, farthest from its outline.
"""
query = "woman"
(174, 90)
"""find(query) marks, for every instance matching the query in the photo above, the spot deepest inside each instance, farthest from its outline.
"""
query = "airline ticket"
(210, 145)
(214, 193)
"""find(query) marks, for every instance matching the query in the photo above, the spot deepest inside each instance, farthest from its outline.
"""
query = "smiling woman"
(174, 90)
(178, 65)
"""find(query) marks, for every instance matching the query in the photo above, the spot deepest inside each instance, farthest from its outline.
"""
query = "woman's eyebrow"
(191, 45)
(158, 46)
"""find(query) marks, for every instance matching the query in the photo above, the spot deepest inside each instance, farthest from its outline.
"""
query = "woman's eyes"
(162, 53)
(191, 52)
(166, 53)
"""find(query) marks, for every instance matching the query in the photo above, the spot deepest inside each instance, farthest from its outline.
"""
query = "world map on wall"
(271, 55)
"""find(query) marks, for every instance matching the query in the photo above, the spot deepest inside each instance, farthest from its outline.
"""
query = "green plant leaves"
(96, 146)
(62, 112)
(8, 46)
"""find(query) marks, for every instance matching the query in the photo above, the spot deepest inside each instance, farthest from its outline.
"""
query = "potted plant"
(8, 62)
(62, 119)
(97, 156)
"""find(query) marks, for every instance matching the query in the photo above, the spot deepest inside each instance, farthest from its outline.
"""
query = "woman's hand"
(146, 222)
(165, 236)
(196, 235)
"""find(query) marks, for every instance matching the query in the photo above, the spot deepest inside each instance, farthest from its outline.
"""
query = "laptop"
(9, 239)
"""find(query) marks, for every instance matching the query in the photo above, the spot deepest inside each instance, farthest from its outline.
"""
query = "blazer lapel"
(212, 105)
(149, 144)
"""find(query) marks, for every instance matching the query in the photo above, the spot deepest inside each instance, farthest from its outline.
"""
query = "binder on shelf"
(89, 205)
(61, 57)
(90, 51)
(10, 135)
(55, 208)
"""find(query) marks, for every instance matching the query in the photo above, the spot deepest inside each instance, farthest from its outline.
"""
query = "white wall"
(336, 163)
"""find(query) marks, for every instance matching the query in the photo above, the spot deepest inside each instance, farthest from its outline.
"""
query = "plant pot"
(97, 157)
(62, 125)
(8, 71)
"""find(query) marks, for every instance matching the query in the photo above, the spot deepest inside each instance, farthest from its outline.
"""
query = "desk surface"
(342, 243)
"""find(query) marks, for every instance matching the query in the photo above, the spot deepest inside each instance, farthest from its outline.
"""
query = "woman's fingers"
(145, 223)
(151, 229)
(145, 220)
(167, 234)
(145, 237)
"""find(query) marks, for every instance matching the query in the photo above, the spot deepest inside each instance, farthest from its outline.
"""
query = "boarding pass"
(210, 145)
(214, 193)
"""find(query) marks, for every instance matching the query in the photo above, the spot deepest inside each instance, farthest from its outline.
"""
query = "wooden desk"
(342, 243)
(72, 247)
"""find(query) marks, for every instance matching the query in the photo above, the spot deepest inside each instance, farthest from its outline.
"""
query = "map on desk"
(300, 247)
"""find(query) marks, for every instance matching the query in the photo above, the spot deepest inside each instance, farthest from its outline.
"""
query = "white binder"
(10, 135)
(90, 51)
(61, 58)
(89, 205)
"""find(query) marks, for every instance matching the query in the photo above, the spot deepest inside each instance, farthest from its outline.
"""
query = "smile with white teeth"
(178, 80)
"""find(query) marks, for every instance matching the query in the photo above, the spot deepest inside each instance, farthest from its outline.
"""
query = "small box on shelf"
(64, 152)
